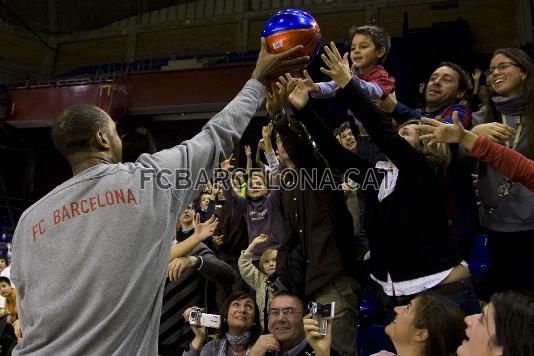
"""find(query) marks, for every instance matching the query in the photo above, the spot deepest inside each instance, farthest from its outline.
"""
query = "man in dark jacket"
(318, 223)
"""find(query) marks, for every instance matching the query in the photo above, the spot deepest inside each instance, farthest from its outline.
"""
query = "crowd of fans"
(386, 202)
(409, 236)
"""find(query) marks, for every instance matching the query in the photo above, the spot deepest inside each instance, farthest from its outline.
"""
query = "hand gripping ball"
(292, 27)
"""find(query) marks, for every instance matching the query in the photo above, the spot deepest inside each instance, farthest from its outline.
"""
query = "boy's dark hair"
(5, 280)
(463, 79)
(75, 128)
(343, 127)
(378, 35)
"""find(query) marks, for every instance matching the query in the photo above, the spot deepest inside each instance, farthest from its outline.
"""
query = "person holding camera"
(239, 329)
(290, 332)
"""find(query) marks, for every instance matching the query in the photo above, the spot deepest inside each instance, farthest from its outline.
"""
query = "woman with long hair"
(239, 329)
(430, 325)
(505, 327)
(507, 209)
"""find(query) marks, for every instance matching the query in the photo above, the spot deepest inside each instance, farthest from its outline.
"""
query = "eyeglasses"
(287, 312)
(501, 66)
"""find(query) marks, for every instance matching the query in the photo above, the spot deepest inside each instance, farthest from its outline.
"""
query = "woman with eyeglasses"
(240, 328)
(507, 209)
(505, 327)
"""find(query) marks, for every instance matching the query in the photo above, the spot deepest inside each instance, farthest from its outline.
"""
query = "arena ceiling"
(66, 16)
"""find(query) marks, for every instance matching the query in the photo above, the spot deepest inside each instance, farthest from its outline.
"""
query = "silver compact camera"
(197, 317)
(322, 313)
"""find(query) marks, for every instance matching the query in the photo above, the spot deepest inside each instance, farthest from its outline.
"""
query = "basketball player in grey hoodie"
(90, 257)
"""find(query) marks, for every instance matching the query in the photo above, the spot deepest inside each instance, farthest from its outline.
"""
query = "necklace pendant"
(506, 188)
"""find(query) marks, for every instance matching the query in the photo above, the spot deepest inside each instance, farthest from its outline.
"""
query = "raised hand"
(261, 238)
(279, 92)
(266, 132)
(338, 67)
(215, 189)
(440, 132)
(320, 343)
(248, 151)
(205, 230)
(299, 96)
(270, 66)
(310, 86)
(476, 75)
(227, 163)
(261, 144)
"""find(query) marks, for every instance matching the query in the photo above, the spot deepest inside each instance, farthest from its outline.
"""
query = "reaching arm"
(214, 269)
(402, 113)
(248, 153)
(513, 164)
(202, 232)
(295, 139)
(231, 196)
(260, 148)
(219, 136)
(373, 90)
(323, 90)
(397, 149)
(252, 275)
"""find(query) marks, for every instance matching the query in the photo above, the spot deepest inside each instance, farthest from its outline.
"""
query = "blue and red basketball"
(292, 27)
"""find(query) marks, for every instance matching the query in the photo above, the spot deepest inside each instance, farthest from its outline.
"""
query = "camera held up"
(199, 318)
(322, 313)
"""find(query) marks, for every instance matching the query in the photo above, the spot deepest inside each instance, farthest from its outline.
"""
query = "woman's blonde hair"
(269, 253)
(437, 152)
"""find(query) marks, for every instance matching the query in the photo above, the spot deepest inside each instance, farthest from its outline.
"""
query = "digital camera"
(322, 313)
(199, 318)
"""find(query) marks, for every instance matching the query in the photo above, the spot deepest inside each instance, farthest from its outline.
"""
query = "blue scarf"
(242, 339)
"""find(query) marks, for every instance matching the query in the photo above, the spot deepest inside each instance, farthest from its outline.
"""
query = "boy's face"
(256, 188)
(3, 264)
(187, 216)
(5, 289)
(204, 201)
(364, 53)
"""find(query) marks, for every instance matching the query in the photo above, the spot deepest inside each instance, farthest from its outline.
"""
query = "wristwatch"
(279, 118)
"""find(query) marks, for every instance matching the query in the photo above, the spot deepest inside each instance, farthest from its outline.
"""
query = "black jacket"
(316, 217)
(408, 230)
